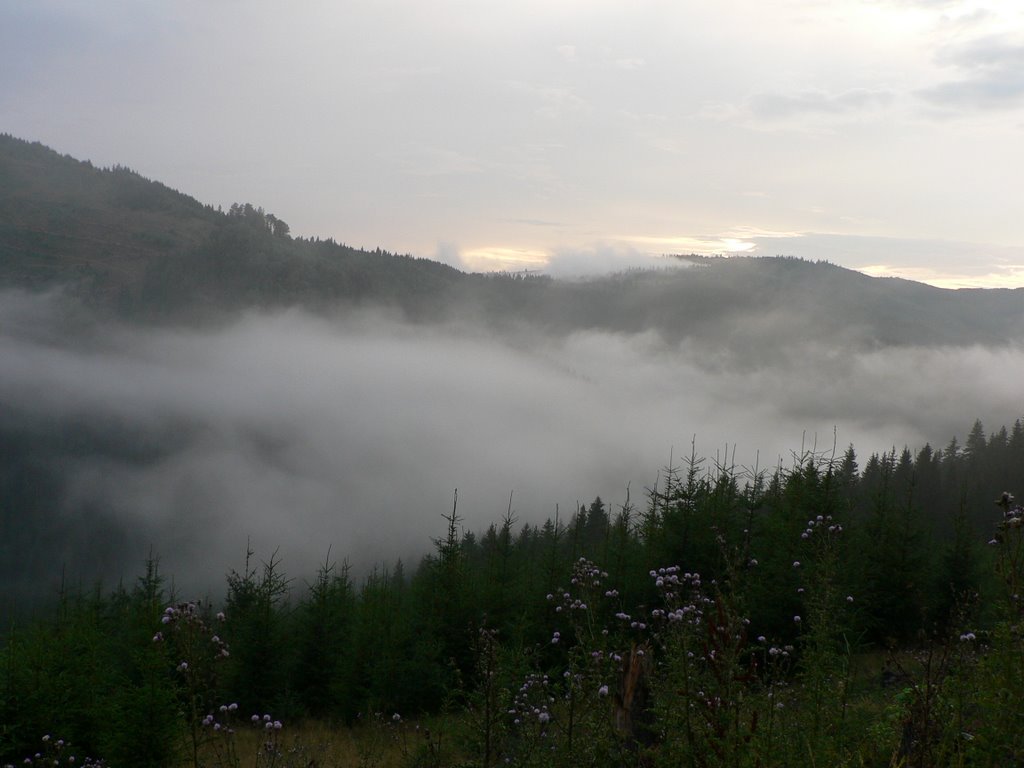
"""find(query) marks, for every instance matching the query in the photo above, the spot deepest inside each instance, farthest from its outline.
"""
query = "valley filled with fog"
(349, 433)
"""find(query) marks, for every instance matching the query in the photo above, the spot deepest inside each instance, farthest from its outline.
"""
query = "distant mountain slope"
(768, 301)
(126, 243)
(142, 250)
(64, 221)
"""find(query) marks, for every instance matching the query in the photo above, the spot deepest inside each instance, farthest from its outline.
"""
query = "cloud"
(631, 64)
(779, 106)
(555, 101)
(502, 259)
(999, 276)
(601, 260)
(992, 70)
(699, 244)
(422, 160)
(538, 222)
(993, 90)
(592, 261)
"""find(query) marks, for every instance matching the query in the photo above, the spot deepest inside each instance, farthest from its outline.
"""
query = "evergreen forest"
(819, 613)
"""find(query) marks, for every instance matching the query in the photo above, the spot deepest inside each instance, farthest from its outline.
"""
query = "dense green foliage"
(732, 620)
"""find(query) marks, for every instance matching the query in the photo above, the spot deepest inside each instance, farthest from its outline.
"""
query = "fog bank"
(303, 433)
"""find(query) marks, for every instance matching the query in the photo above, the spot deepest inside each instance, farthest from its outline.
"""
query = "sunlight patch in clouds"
(503, 258)
(1009, 276)
(692, 244)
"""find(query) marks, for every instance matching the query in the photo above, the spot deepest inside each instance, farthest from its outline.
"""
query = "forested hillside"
(718, 592)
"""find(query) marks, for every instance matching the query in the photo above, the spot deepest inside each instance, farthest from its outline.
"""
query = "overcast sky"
(572, 136)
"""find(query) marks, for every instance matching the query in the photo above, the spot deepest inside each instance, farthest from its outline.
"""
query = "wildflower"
(158, 637)
(277, 725)
(183, 667)
(796, 619)
(968, 636)
(544, 717)
(796, 563)
(220, 616)
(602, 691)
(396, 718)
(849, 598)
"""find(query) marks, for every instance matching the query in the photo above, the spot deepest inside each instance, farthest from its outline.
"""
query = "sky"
(566, 136)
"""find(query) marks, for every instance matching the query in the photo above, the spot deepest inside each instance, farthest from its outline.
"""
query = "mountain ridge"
(138, 249)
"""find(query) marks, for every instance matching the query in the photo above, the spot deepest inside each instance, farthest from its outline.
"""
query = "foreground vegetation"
(812, 615)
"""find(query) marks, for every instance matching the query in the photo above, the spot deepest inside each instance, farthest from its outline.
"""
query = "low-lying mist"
(306, 434)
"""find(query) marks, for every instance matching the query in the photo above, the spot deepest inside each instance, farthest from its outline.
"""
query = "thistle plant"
(486, 706)
(708, 714)
(568, 713)
(999, 736)
(57, 752)
(825, 648)
(195, 651)
(1009, 543)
